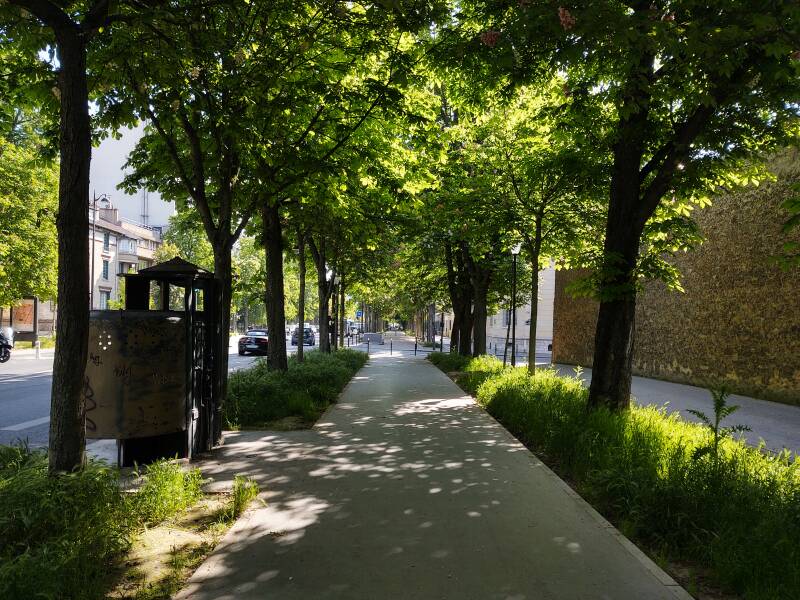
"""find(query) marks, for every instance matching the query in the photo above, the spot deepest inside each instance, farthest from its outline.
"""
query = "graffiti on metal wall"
(135, 374)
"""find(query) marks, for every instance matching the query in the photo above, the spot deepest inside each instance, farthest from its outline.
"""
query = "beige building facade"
(116, 246)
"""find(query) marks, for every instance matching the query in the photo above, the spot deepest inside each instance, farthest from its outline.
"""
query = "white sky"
(107, 172)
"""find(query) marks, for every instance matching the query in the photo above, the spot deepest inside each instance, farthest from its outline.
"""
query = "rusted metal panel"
(136, 374)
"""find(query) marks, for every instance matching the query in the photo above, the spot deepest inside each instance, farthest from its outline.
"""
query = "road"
(25, 401)
(25, 393)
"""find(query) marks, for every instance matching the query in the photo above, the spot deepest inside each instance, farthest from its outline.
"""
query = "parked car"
(255, 341)
(309, 339)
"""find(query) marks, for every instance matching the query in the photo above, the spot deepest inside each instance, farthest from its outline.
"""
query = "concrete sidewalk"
(406, 489)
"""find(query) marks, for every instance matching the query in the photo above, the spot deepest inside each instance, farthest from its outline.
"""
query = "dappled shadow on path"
(405, 489)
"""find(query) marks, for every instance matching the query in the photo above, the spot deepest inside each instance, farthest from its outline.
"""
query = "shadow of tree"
(407, 489)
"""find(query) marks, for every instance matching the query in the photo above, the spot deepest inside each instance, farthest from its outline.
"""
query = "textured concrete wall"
(738, 322)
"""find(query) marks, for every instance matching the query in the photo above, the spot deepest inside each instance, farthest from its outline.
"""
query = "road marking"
(26, 424)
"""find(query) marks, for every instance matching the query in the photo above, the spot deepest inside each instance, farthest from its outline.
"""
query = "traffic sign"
(359, 313)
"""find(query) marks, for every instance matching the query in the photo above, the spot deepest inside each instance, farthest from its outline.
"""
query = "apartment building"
(116, 245)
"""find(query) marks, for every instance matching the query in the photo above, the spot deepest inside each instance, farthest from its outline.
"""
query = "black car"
(308, 336)
(255, 341)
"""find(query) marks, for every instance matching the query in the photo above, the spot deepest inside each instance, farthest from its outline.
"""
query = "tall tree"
(683, 96)
(549, 183)
(72, 30)
(28, 204)
(186, 76)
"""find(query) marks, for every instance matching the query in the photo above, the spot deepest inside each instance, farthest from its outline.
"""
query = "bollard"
(38, 345)
(367, 345)
(390, 347)
(415, 347)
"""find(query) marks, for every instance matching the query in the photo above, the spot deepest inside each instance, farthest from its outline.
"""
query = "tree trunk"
(223, 272)
(614, 336)
(275, 300)
(342, 313)
(67, 441)
(508, 336)
(535, 251)
(301, 299)
(460, 291)
(465, 330)
(477, 283)
(479, 319)
(335, 320)
(324, 289)
(534, 316)
(454, 332)
(323, 296)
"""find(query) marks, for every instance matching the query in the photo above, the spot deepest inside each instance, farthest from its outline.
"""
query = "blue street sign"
(359, 313)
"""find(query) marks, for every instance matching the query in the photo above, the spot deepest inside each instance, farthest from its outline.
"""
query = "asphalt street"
(25, 393)
(25, 401)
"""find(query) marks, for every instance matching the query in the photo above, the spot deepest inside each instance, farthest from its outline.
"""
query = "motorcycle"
(6, 343)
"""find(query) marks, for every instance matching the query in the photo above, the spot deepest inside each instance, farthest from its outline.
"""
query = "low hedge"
(738, 515)
(260, 395)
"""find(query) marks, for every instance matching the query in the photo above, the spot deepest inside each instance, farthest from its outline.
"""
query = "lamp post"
(514, 252)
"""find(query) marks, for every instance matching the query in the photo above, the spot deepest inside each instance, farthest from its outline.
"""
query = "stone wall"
(738, 322)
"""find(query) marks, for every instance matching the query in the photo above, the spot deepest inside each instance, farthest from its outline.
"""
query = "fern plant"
(722, 410)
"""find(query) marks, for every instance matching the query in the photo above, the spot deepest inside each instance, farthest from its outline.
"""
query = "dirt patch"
(163, 558)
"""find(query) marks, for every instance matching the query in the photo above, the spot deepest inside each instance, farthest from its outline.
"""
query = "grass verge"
(736, 514)
(62, 535)
(260, 397)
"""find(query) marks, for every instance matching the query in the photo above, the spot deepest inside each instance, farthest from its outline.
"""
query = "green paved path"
(406, 489)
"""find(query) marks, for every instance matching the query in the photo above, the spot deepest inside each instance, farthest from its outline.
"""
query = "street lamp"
(514, 252)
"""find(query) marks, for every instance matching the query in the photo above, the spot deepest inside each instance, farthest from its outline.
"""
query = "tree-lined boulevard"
(401, 159)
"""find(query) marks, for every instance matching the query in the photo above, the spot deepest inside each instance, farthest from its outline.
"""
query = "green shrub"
(259, 395)
(167, 490)
(57, 534)
(737, 513)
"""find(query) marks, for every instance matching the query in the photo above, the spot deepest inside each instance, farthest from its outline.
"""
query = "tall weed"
(57, 534)
(167, 490)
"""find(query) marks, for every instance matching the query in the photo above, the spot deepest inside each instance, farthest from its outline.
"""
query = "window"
(105, 296)
(127, 246)
(105, 269)
(506, 317)
(106, 240)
